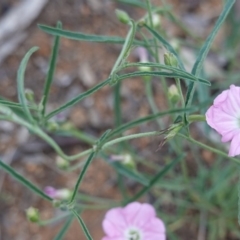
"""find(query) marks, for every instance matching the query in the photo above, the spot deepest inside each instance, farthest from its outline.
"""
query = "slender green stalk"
(178, 84)
(80, 178)
(51, 70)
(209, 148)
(155, 179)
(149, 93)
(53, 220)
(23, 181)
(84, 228)
(149, 8)
(64, 229)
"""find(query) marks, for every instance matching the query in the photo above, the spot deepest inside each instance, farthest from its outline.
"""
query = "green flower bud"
(29, 94)
(173, 94)
(52, 126)
(155, 19)
(170, 59)
(128, 162)
(32, 214)
(122, 16)
(62, 163)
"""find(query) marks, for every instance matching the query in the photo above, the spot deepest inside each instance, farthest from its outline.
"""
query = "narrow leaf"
(80, 178)
(155, 179)
(51, 70)
(205, 49)
(84, 37)
(78, 98)
(23, 180)
(64, 229)
(20, 82)
(84, 228)
(148, 118)
(165, 44)
(129, 173)
(161, 73)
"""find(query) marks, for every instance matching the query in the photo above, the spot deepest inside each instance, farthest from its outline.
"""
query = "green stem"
(151, 25)
(149, 93)
(84, 228)
(209, 148)
(178, 84)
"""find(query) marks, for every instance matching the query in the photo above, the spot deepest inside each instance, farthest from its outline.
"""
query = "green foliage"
(207, 197)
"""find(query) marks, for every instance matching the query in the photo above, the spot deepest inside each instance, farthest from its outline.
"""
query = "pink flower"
(224, 117)
(136, 221)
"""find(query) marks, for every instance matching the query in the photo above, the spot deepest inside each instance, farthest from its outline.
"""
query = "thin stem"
(149, 93)
(84, 228)
(151, 25)
(178, 84)
(209, 148)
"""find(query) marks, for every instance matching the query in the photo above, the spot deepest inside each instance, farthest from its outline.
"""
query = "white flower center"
(133, 233)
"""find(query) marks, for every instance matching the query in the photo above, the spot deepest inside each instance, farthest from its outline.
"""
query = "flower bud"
(58, 194)
(155, 19)
(128, 162)
(32, 214)
(52, 126)
(29, 94)
(170, 59)
(122, 16)
(173, 94)
(62, 163)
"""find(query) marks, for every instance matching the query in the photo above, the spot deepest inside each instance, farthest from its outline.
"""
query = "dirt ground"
(81, 65)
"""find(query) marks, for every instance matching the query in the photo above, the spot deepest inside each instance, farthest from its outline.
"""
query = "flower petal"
(139, 214)
(235, 146)
(154, 236)
(114, 223)
(155, 226)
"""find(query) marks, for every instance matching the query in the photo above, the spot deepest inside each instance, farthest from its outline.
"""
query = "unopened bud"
(52, 126)
(170, 59)
(155, 20)
(122, 16)
(32, 214)
(173, 94)
(128, 162)
(58, 194)
(62, 163)
(29, 94)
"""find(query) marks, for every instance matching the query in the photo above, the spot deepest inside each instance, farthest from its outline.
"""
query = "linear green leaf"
(162, 66)
(148, 118)
(130, 174)
(78, 98)
(51, 70)
(64, 229)
(84, 228)
(135, 3)
(161, 73)
(205, 49)
(23, 180)
(165, 44)
(155, 179)
(13, 104)
(20, 82)
(84, 37)
(80, 178)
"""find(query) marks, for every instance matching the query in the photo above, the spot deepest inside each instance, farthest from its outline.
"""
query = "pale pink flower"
(136, 221)
(224, 117)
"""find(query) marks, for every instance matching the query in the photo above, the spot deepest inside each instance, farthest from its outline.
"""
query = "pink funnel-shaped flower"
(224, 117)
(136, 221)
